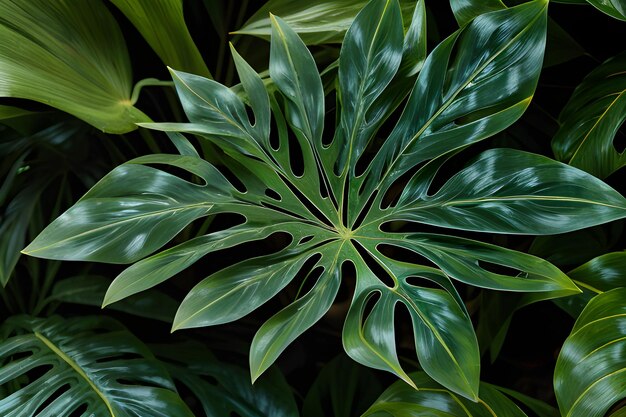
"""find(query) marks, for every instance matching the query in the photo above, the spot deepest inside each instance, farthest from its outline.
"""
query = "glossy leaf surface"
(82, 368)
(333, 195)
(589, 375)
(69, 56)
(325, 21)
(162, 24)
(591, 119)
(431, 399)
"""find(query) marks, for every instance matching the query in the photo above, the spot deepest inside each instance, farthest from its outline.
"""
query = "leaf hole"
(372, 299)
(422, 282)
(310, 206)
(272, 194)
(393, 193)
(274, 136)
(251, 115)
(374, 266)
(305, 239)
(330, 122)
(79, 411)
(218, 222)
(178, 172)
(348, 282)
(365, 210)
(296, 157)
(499, 269)
(51, 398)
(232, 178)
(311, 277)
(404, 255)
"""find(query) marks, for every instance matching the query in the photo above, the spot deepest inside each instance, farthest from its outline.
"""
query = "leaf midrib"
(595, 125)
(116, 224)
(56, 350)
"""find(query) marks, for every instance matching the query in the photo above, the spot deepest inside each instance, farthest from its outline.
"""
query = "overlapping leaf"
(589, 374)
(71, 56)
(591, 119)
(330, 191)
(89, 364)
(431, 399)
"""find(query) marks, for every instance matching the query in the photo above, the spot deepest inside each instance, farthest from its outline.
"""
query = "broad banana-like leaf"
(591, 118)
(340, 195)
(68, 55)
(431, 399)
(589, 374)
(343, 387)
(223, 389)
(87, 365)
(162, 24)
(614, 8)
(325, 21)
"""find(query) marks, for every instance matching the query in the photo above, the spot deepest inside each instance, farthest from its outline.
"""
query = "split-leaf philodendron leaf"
(91, 365)
(338, 201)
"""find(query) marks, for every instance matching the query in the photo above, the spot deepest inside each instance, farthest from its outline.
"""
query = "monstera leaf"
(88, 365)
(342, 196)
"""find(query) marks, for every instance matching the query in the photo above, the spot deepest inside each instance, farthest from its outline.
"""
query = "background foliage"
(317, 189)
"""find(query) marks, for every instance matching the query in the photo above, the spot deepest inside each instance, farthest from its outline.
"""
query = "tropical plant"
(362, 179)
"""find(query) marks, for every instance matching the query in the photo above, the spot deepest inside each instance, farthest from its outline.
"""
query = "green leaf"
(325, 21)
(132, 211)
(162, 24)
(318, 212)
(284, 327)
(82, 367)
(599, 275)
(224, 389)
(466, 10)
(343, 387)
(591, 119)
(614, 8)
(444, 337)
(53, 53)
(431, 399)
(508, 191)
(90, 289)
(589, 373)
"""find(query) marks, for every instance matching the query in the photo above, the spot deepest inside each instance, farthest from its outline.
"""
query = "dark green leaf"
(81, 359)
(589, 375)
(591, 119)
(343, 387)
(431, 399)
